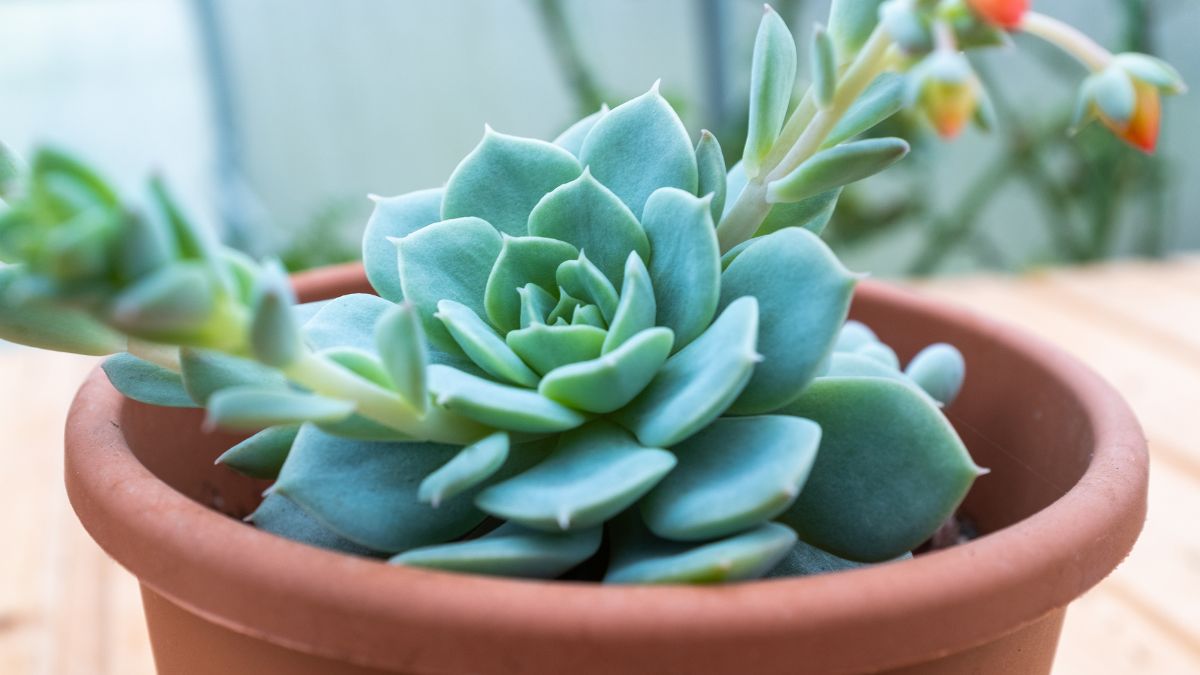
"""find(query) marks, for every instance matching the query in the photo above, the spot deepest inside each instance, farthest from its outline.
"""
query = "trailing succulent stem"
(612, 338)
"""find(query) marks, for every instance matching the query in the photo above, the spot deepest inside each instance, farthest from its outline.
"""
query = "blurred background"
(275, 123)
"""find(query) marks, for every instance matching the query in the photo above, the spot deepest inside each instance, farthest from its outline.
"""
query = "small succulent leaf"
(880, 353)
(908, 26)
(852, 364)
(145, 246)
(638, 557)
(772, 81)
(884, 97)
(522, 260)
(588, 315)
(637, 309)
(685, 269)
(252, 408)
(499, 406)
(805, 560)
(147, 382)
(710, 162)
(362, 428)
(939, 369)
(403, 352)
(449, 260)
(169, 305)
(729, 256)
(737, 473)
(367, 491)
(851, 23)
(274, 332)
(305, 311)
(503, 178)
(281, 516)
(193, 241)
(836, 167)
(536, 305)
(564, 308)
(545, 348)
(571, 139)
(607, 383)
(346, 321)
(596, 472)
(811, 213)
(510, 551)
(12, 171)
(699, 382)
(49, 326)
(262, 455)
(794, 337)
(483, 344)
(582, 279)
(1113, 94)
(592, 218)
(854, 334)
(889, 471)
(473, 465)
(637, 148)
(1152, 70)
(395, 218)
(206, 372)
(361, 363)
(823, 62)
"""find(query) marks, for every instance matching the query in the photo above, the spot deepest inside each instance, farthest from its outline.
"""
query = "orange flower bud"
(1141, 130)
(946, 91)
(1006, 14)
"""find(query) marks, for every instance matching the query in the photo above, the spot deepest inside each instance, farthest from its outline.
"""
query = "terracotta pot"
(1062, 507)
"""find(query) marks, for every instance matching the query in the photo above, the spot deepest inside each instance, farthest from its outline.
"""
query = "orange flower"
(946, 91)
(1006, 14)
(1141, 129)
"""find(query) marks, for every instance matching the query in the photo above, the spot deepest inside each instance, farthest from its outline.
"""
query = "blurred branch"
(569, 57)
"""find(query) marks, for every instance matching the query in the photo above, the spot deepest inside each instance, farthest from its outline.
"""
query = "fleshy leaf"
(498, 405)
(881, 353)
(854, 334)
(564, 308)
(637, 309)
(207, 372)
(853, 364)
(346, 321)
(939, 369)
(394, 218)
(503, 178)
(545, 348)
(592, 218)
(639, 557)
(883, 98)
(571, 139)
(48, 326)
(851, 23)
(274, 331)
(639, 147)
(404, 353)
(686, 266)
(710, 162)
(823, 62)
(836, 167)
(811, 213)
(281, 516)
(698, 383)
(262, 455)
(510, 551)
(595, 473)
(803, 295)
(772, 80)
(889, 471)
(147, 382)
(450, 260)
(805, 560)
(536, 305)
(169, 305)
(472, 466)
(483, 344)
(522, 260)
(588, 315)
(607, 383)
(252, 408)
(582, 279)
(362, 363)
(737, 473)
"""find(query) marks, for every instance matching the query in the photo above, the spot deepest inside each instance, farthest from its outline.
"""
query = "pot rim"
(351, 608)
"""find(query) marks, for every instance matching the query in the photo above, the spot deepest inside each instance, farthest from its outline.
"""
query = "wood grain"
(66, 609)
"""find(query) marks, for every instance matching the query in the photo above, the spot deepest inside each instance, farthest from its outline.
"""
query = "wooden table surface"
(65, 609)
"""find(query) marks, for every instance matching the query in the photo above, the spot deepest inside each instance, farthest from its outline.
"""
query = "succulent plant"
(610, 353)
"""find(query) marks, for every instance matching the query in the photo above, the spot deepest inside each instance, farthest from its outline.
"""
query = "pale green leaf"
(146, 382)
(473, 465)
(637, 309)
(939, 369)
(836, 167)
(772, 80)
(710, 163)
(607, 383)
(685, 269)
(252, 408)
(394, 218)
(571, 139)
(522, 260)
(545, 348)
(510, 551)
(262, 455)
(499, 406)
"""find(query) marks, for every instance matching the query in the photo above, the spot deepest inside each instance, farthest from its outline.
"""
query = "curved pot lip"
(324, 602)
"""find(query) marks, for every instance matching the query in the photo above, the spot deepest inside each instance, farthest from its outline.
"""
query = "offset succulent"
(611, 337)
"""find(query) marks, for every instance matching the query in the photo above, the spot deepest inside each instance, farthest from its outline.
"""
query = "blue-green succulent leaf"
(346, 321)
(1113, 93)
(147, 382)
(853, 364)
(699, 382)
(639, 557)
(595, 473)
(473, 465)
(588, 315)
(483, 344)
(939, 369)
(536, 305)
(449, 260)
(545, 348)
(252, 407)
(880, 352)
(836, 167)
(805, 560)
(1153, 70)
(503, 178)
(889, 471)
(274, 331)
(395, 218)
(363, 429)
(803, 295)
(582, 279)
(169, 305)
(811, 213)
(206, 372)
(851, 23)
(522, 260)
(262, 455)
(854, 334)
(281, 516)
(362, 363)
(823, 62)
(49, 326)
(510, 551)
(571, 139)
(637, 309)
(639, 147)
(589, 216)
(685, 269)
(499, 406)
(737, 473)
(883, 98)
(710, 162)
(404, 354)
(305, 311)
(772, 80)
(607, 383)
